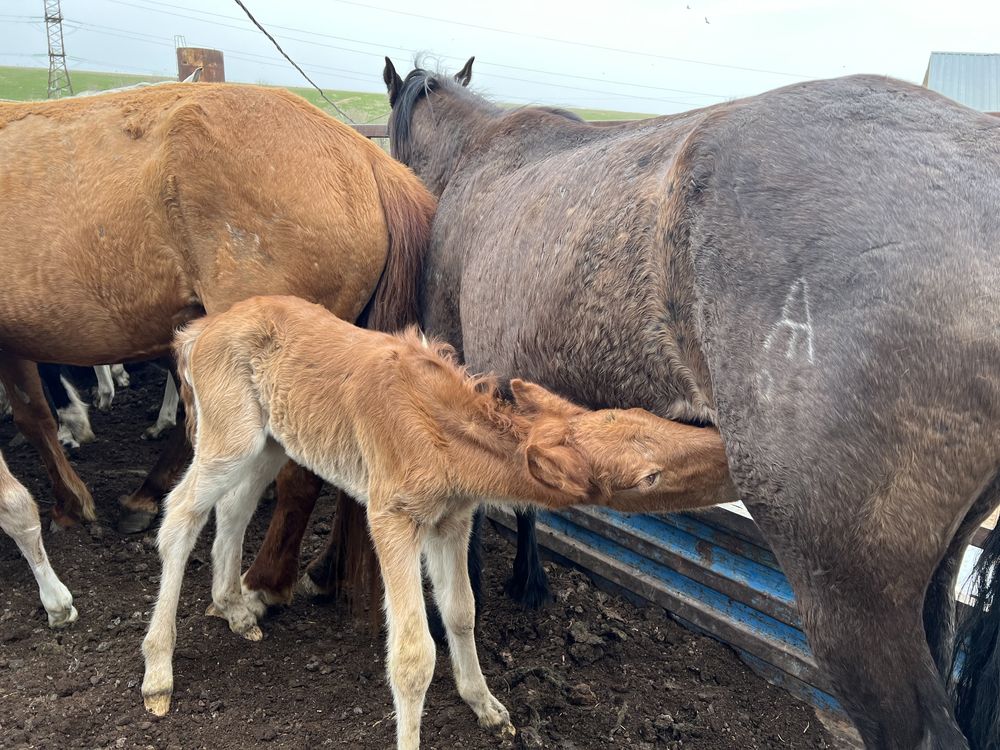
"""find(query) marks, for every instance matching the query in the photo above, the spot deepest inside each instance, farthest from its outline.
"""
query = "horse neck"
(488, 443)
(449, 122)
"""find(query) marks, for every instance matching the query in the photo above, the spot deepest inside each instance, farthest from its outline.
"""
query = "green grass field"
(24, 84)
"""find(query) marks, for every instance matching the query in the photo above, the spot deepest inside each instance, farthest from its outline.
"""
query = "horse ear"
(465, 74)
(534, 399)
(393, 82)
(559, 467)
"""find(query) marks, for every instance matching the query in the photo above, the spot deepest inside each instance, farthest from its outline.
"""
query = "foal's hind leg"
(939, 605)
(19, 519)
(528, 585)
(187, 510)
(34, 420)
(232, 515)
(272, 576)
(446, 551)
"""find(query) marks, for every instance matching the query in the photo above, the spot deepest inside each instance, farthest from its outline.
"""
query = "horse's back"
(844, 236)
(174, 197)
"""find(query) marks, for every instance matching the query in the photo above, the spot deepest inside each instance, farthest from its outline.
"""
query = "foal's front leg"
(446, 549)
(398, 541)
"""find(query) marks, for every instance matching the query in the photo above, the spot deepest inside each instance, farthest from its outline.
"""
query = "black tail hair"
(977, 689)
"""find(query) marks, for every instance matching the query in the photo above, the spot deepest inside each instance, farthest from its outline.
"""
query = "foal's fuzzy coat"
(396, 423)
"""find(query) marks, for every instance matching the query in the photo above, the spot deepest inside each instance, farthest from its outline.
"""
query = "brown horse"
(127, 214)
(813, 270)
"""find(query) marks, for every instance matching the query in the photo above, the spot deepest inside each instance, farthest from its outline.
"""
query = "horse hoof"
(62, 618)
(61, 520)
(213, 611)
(158, 703)
(494, 715)
(254, 634)
(307, 587)
(135, 521)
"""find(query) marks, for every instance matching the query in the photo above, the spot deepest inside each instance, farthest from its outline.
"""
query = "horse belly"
(585, 299)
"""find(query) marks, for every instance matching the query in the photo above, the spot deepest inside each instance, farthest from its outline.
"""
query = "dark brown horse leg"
(273, 574)
(34, 419)
(939, 603)
(347, 565)
(861, 610)
(528, 585)
(141, 507)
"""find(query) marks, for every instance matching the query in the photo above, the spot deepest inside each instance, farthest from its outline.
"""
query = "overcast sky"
(633, 55)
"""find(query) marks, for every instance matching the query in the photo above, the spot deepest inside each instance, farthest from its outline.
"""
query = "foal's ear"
(559, 467)
(393, 82)
(465, 74)
(534, 399)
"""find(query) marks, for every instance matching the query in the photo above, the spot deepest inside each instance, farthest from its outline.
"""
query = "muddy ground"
(589, 671)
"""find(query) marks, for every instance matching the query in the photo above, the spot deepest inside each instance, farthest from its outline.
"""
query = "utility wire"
(382, 47)
(567, 41)
(294, 64)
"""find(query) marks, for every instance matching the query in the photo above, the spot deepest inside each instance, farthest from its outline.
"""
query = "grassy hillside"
(30, 83)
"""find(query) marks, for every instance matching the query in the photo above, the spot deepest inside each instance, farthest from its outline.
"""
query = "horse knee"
(411, 664)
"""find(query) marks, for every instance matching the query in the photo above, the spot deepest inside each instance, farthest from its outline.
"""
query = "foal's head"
(614, 456)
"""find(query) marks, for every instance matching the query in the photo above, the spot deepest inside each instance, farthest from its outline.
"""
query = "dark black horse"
(815, 271)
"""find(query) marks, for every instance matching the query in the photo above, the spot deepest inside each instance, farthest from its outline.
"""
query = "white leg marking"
(75, 416)
(120, 375)
(105, 387)
(19, 518)
(187, 509)
(410, 661)
(168, 411)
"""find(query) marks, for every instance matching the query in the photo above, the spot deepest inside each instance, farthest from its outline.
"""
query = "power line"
(383, 47)
(569, 42)
(358, 75)
(599, 92)
(138, 36)
(294, 64)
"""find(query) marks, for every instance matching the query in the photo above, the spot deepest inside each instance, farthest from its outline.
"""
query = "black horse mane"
(420, 83)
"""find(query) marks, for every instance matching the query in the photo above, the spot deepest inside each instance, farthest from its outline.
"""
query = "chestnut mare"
(127, 214)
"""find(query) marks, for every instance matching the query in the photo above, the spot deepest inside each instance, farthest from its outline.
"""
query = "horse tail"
(184, 341)
(409, 210)
(977, 688)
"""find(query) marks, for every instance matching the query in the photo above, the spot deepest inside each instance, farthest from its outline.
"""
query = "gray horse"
(814, 270)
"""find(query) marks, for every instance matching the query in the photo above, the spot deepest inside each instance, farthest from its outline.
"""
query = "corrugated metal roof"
(970, 78)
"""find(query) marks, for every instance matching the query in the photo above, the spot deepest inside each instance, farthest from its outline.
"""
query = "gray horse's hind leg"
(939, 605)
(860, 587)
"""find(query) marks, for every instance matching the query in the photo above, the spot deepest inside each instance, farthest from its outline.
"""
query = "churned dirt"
(588, 671)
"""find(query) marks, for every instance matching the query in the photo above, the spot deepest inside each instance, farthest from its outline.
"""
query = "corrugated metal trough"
(712, 570)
